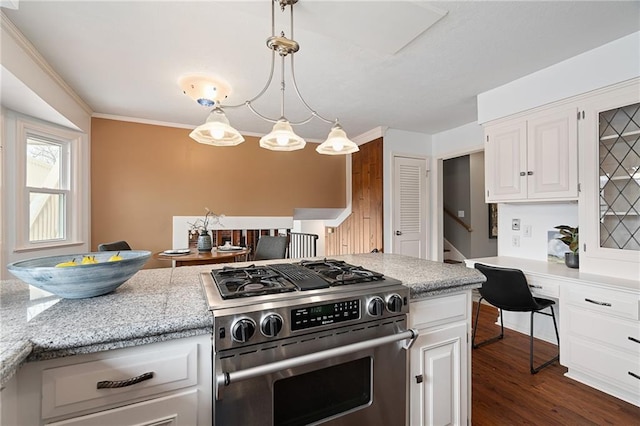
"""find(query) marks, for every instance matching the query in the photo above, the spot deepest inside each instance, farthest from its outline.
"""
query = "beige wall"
(142, 175)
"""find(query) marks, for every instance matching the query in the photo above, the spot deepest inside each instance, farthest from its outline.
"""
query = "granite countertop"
(161, 304)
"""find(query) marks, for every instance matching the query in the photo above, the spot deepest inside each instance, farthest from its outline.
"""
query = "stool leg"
(475, 327)
(552, 360)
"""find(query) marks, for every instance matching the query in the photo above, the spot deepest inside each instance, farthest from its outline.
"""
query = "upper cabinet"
(609, 205)
(533, 157)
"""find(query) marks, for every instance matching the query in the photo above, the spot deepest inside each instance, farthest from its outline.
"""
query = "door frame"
(437, 212)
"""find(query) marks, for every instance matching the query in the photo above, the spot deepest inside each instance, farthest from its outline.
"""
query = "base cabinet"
(440, 361)
(160, 384)
(600, 334)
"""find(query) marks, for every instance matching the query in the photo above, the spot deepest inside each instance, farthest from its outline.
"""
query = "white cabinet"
(440, 361)
(609, 204)
(600, 338)
(167, 383)
(174, 410)
(9, 403)
(532, 157)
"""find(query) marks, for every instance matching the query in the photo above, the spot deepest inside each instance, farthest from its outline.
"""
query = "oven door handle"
(234, 376)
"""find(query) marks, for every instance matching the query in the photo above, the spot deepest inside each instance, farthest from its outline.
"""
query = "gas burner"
(338, 272)
(249, 281)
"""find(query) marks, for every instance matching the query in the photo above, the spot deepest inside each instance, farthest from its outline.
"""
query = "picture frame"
(493, 220)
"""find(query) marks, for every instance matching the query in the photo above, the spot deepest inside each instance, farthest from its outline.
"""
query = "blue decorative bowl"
(80, 281)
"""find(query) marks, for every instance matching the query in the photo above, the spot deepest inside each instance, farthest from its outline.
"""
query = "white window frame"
(70, 166)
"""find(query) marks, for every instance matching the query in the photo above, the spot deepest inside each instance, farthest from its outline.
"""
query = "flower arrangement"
(201, 226)
(569, 236)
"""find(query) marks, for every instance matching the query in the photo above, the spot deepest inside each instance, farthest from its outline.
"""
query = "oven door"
(351, 375)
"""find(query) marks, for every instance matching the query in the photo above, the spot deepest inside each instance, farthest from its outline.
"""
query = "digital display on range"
(330, 313)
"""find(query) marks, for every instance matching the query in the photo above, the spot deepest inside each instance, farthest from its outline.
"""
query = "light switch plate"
(515, 224)
(526, 233)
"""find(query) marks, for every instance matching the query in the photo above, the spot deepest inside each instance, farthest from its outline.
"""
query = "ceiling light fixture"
(210, 92)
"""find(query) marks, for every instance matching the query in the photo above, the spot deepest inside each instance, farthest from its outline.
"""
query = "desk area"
(195, 257)
(599, 320)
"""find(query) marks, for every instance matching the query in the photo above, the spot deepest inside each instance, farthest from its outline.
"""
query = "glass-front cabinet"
(609, 134)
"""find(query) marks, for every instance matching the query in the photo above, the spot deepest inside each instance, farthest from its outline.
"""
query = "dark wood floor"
(505, 393)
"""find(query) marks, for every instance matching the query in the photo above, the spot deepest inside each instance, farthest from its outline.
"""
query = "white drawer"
(604, 363)
(605, 301)
(620, 333)
(543, 287)
(74, 388)
(439, 310)
(177, 409)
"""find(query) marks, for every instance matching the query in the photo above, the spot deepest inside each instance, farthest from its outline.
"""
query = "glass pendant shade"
(216, 131)
(282, 138)
(337, 143)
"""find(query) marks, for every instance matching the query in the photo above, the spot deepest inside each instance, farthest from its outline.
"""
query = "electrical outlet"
(515, 241)
(526, 233)
(515, 224)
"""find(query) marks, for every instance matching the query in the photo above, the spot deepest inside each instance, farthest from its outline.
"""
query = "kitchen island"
(160, 305)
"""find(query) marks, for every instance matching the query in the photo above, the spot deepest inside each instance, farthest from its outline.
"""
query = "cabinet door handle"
(534, 286)
(595, 302)
(523, 174)
(529, 173)
(634, 375)
(633, 339)
(108, 384)
(419, 378)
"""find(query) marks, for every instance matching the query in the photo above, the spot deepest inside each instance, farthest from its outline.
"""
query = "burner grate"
(249, 281)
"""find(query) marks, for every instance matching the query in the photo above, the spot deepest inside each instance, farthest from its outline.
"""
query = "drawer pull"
(633, 339)
(595, 302)
(108, 384)
(634, 375)
(534, 286)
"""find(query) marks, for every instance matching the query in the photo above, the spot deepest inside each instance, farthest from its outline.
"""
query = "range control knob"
(271, 325)
(375, 307)
(242, 330)
(394, 303)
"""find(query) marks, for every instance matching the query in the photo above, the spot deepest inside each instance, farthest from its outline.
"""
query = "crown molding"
(141, 121)
(33, 53)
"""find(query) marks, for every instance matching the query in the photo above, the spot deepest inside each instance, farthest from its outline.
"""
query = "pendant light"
(216, 131)
(337, 143)
(282, 137)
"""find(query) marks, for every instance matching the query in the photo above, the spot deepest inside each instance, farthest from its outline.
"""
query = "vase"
(572, 260)
(204, 241)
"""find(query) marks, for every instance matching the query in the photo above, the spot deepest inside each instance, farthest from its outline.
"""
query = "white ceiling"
(369, 63)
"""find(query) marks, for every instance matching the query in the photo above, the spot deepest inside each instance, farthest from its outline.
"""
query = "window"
(46, 208)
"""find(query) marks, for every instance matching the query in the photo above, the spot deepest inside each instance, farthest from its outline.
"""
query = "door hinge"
(584, 247)
(487, 138)
(487, 192)
(579, 188)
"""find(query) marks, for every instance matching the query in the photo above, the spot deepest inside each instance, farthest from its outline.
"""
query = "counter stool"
(507, 289)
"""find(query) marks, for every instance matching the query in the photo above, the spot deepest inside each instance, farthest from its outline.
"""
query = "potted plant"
(569, 236)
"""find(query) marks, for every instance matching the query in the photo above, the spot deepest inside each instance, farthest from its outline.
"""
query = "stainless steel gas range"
(311, 342)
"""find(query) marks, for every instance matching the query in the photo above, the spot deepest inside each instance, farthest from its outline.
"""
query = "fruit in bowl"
(64, 276)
